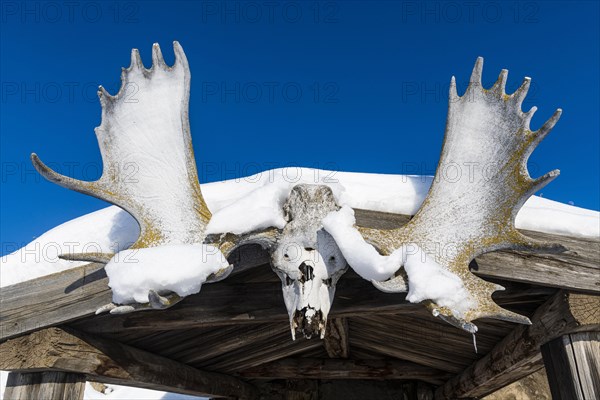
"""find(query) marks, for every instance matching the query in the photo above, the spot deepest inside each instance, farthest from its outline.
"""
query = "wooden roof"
(239, 327)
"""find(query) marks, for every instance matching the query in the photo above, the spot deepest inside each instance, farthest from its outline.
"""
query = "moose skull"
(307, 259)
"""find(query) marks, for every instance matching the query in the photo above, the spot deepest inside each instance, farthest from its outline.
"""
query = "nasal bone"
(307, 272)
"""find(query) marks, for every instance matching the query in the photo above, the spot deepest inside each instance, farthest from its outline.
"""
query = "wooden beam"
(59, 298)
(573, 366)
(225, 304)
(355, 389)
(50, 385)
(336, 338)
(313, 368)
(56, 349)
(518, 354)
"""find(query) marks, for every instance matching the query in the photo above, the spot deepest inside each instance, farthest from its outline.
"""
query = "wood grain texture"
(49, 385)
(573, 366)
(336, 338)
(310, 368)
(56, 349)
(518, 354)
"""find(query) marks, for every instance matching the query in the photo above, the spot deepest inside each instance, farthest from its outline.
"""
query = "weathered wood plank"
(222, 340)
(336, 338)
(50, 385)
(261, 352)
(52, 299)
(518, 354)
(106, 361)
(355, 389)
(573, 366)
(311, 368)
(69, 295)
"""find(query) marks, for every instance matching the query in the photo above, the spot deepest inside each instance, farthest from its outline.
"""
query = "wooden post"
(573, 366)
(49, 385)
(336, 338)
(518, 354)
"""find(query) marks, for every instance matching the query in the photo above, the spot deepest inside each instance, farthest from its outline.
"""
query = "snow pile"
(254, 202)
(428, 280)
(263, 197)
(544, 215)
(108, 230)
(116, 392)
(363, 257)
(181, 268)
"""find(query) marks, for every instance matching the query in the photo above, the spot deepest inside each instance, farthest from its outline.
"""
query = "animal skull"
(307, 260)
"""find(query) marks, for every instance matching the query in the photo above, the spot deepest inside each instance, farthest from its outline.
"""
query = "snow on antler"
(149, 170)
(480, 184)
(148, 160)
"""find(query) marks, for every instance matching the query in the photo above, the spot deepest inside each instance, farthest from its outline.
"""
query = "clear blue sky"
(347, 85)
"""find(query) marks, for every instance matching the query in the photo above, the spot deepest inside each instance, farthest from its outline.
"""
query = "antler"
(149, 167)
(480, 184)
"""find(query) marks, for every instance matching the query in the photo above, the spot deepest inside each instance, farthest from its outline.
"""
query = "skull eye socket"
(288, 281)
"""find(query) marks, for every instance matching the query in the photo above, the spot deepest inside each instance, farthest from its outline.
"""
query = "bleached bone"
(481, 182)
(148, 161)
(307, 259)
(303, 255)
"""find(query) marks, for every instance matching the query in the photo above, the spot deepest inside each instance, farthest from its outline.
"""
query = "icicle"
(474, 342)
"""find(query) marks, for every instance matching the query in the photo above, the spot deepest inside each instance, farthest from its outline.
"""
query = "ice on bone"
(179, 268)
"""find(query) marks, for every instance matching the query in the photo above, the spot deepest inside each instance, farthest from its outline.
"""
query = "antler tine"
(91, 188)
(105, 97)
(500, 85)
(542, 181)
(453, 95)
(102, 258)
(157, 57)
(180, 57)
(519, 95)
(477, 72)
(523, 242)
(136, 60)
(547, 127)
(527, 116)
